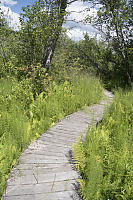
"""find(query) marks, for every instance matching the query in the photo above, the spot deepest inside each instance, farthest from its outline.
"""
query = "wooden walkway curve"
(45, 170)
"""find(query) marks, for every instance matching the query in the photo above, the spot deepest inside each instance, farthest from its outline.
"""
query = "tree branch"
(71, 2)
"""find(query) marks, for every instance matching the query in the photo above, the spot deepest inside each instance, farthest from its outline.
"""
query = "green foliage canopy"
(115, 20)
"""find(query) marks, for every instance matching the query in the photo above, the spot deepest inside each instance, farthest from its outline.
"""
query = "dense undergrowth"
(105, 158)
(24, 116)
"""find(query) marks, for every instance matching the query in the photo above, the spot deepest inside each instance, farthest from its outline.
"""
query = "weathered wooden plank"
(43, 161)
(42, 178)
(60, 143)
(40, 165)
(59, 186)
(65, 195)
(41, 170)
(50, 153)
(39, 145)
(63, 133)
(60, 138)
(43, 157)
(69, 126)
(58, 133)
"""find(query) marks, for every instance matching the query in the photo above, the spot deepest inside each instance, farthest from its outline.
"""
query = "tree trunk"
(51, 44)
(3, 54)
(126, 60)
(124, 53)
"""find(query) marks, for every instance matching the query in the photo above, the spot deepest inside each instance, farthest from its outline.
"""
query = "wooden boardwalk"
(45, 170)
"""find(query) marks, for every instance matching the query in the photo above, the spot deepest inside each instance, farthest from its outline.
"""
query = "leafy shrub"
(105, 159)
(35, 75)
(62, 100)
(14, 124)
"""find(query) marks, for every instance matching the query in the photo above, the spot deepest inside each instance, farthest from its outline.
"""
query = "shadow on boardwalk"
(45, 169)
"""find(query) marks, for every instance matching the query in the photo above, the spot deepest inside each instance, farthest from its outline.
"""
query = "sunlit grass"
(23, 118)
(105, 159)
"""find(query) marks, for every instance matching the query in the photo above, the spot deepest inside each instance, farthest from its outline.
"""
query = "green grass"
(23, 118)
(105, 158)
